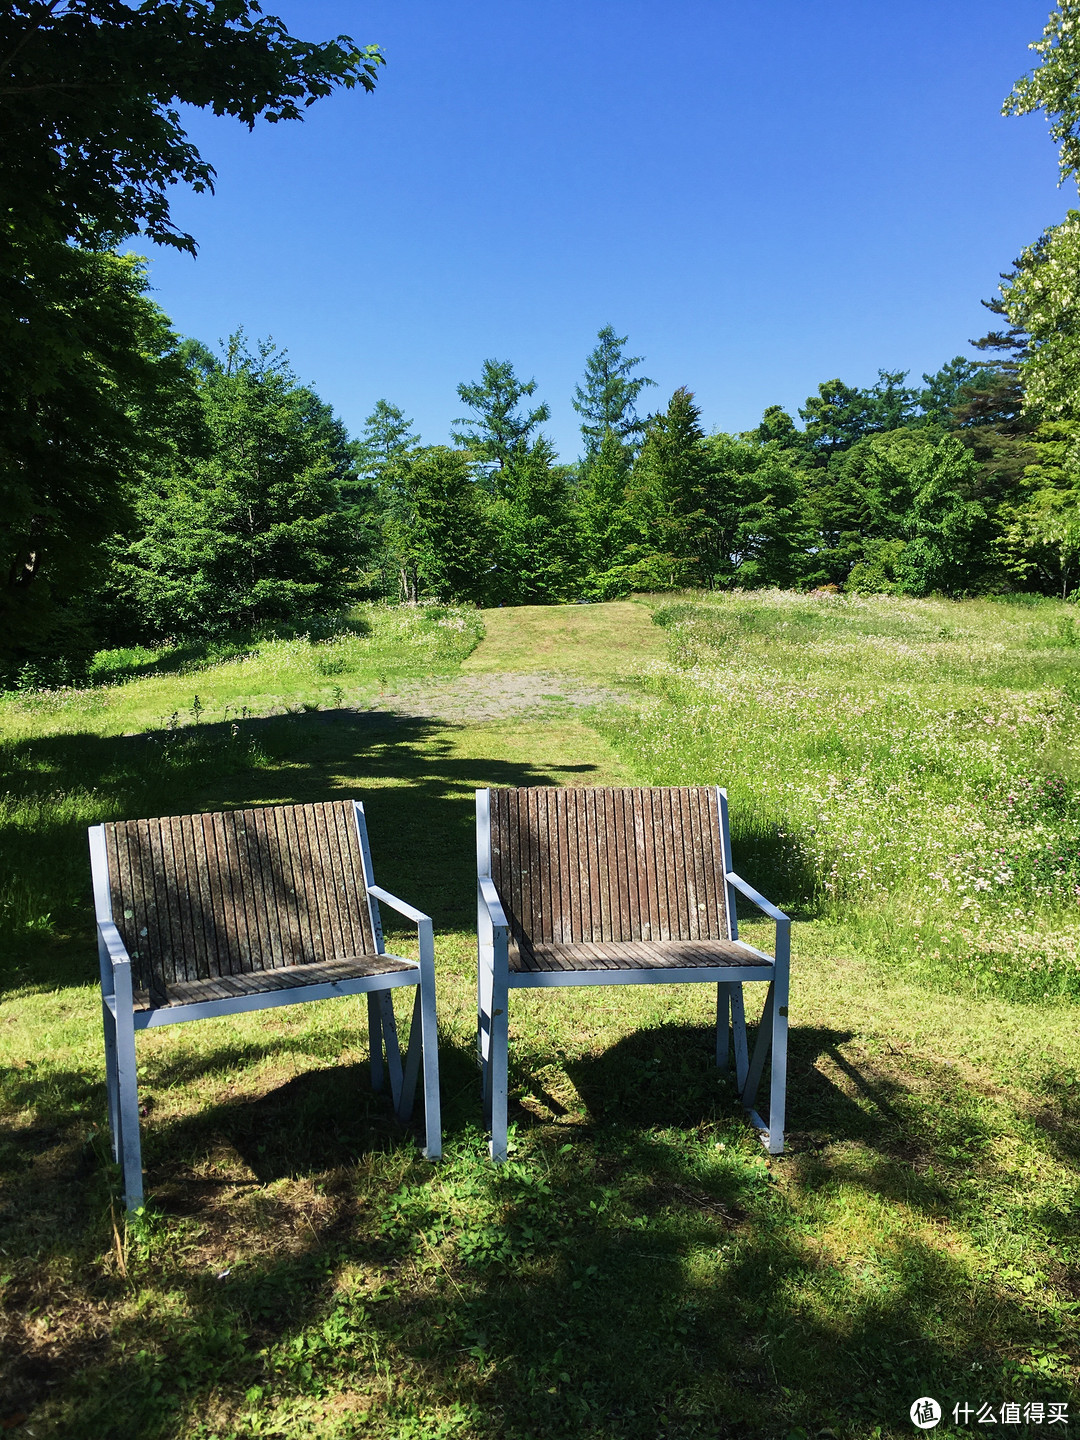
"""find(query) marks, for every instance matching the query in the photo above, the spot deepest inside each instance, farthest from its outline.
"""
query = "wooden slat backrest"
(579, 866)
(198, 896)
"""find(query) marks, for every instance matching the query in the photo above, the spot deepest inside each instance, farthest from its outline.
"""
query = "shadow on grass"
(639, 1272)
(417, 787)
(418, 793)
(636, 1272)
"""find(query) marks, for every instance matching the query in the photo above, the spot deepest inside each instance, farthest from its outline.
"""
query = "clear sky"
(762, 196)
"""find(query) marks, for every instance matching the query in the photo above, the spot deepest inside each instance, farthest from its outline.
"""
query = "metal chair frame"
(495, 979)
(122, 1019)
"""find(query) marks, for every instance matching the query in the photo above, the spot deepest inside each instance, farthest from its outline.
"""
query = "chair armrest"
(489, 898)
(402, 907)
(114, 945)
(765, 906)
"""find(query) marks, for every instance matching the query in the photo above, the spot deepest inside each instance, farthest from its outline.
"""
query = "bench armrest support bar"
(489, 898)
(401, 906)
(115, 948)
(765, 906)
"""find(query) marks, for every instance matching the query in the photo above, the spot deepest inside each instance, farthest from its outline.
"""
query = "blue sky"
(762, 196)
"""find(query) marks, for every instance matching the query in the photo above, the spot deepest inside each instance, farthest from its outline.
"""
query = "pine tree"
(609, 396)
(500, 430)
(254, 532)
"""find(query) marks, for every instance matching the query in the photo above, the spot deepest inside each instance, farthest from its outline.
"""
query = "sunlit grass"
(903, 769)
(640, 1269)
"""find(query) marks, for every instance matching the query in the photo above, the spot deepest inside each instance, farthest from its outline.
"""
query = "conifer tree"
(436, 529)
(608, 398)
(387, 436)
(538, 552)
(252, 532)
(499, 430)
(603, 523)
(665, 496)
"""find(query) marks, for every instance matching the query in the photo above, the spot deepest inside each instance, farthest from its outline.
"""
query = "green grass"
(902, 771)
(639, 1269)
(594, 640)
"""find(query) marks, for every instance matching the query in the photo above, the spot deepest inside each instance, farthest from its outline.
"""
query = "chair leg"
(393, 1050)
(412, 1063)
(483, 1022)
(375, 1032)
(430, 1040)
(499, 1041)
(738, 1034)
(723, 1035)
(128, 1107)
(778, 1079)
(112, 1080)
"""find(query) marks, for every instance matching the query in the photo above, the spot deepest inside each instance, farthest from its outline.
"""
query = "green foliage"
(255, 532)
(1040, 297)
(918, 490)
(1054, 86)
(534, 531)
(91, 143)
(603, 522)
(608, 398)
(91, 384)
(839, 415)
(754, 527)
(386, 437)
(948, 388)
(500, 430)
(1040, 538)
(436, 530)
(92, 140)
(666, 495)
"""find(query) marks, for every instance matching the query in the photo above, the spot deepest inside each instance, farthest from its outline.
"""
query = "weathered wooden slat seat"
(524, 956)
(216, 914)
(621, 886)
(289, 977)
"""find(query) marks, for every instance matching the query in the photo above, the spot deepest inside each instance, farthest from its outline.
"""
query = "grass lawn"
(902, 778)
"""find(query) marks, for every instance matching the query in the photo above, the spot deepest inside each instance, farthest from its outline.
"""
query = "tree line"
(151, 489)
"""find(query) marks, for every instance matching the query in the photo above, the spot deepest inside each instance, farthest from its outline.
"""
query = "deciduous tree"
(83, 413)
(1054, 85)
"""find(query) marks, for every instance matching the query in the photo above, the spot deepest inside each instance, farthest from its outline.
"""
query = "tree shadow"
(417, 791)
(625, 1278)
(638, 1273)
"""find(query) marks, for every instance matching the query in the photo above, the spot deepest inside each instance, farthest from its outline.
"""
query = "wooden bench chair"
(206, 915)
(621, 887)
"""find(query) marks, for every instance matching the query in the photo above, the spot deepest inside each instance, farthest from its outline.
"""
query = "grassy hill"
(902, 777)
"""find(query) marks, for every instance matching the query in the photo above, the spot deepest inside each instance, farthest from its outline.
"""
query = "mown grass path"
(638, 1269)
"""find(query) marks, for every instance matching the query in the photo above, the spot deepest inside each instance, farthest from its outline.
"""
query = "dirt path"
(479, 699)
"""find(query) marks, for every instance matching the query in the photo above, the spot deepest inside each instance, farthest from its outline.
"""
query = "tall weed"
(881, 775)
